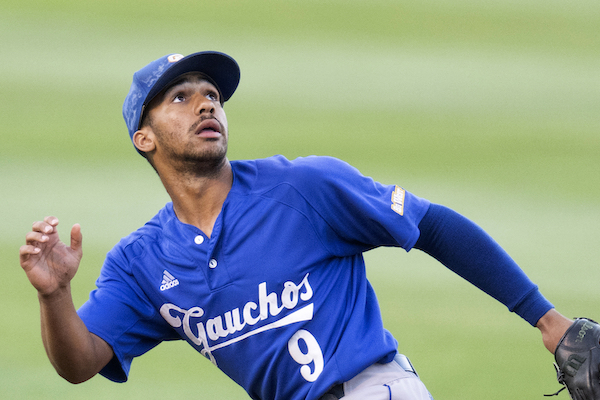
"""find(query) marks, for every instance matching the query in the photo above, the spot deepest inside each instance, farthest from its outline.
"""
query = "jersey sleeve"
(138, 327)
(357, 212)
(470, 252)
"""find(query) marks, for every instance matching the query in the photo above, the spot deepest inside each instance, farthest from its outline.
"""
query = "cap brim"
(219, 67)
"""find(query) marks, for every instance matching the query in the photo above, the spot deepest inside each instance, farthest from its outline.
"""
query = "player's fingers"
(34, 237)
(45, 226)
(28, 249)
(25, 251)
(76, 238)
(51, 220)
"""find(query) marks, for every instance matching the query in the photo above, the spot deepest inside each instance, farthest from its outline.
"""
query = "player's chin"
(208, 157)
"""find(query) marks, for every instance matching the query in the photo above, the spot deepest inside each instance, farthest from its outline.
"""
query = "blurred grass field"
(491, 108)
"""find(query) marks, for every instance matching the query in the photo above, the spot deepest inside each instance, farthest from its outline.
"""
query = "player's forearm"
(76, 354)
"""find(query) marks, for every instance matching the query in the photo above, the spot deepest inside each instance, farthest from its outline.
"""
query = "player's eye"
(212, 96)
(178, 98)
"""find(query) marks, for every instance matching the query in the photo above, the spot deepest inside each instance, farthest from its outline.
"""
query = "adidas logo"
(168, 281)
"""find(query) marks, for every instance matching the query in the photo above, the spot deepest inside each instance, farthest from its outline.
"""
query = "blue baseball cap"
(154, 77)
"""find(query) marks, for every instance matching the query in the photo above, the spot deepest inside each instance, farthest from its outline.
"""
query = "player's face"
(189, 123)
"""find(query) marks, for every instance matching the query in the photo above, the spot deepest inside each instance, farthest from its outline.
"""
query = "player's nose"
(203, 105)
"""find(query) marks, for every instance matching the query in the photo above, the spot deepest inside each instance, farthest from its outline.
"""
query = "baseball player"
(257, 264)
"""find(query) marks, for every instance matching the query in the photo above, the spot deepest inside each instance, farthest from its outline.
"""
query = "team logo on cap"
(174, 58)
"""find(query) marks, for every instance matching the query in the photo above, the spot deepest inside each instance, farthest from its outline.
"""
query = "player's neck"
(198, 198)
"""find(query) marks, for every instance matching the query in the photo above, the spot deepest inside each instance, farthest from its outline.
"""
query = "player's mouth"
(209, 128)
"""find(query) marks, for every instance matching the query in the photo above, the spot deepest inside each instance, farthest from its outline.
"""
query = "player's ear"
(144, 139)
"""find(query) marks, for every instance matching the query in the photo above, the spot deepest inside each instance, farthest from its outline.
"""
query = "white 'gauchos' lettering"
(267, 302)
(221, 326)
(233, 322)
(175, 321)
(248, 318)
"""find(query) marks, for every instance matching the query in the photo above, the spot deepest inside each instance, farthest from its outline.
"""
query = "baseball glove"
(578, 360)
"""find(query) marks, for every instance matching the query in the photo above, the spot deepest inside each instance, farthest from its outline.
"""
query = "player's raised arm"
(470, 252)
(50, 265)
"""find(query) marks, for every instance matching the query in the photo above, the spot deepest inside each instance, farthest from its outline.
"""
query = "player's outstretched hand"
(49, 263)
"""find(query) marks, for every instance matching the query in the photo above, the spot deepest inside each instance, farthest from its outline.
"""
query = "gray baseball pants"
(396, 380)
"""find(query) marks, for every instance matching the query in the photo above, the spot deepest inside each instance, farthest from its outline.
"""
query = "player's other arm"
(466, 249)
(76, 354)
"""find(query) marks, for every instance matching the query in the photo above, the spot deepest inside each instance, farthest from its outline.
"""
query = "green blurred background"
(491, 108)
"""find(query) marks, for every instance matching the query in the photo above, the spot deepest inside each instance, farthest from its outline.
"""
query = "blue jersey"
(277, 297)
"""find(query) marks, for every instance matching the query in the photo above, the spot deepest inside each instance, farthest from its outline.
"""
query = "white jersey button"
(199, 239)
(212, 263)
